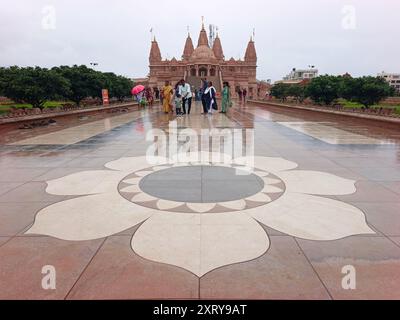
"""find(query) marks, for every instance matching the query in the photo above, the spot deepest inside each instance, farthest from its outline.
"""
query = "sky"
(360, 37)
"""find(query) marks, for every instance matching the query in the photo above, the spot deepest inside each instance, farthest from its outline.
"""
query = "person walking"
(203, 95)
(210, 96)
(178, 100)
(226, 98)
(187, 96)
(244, 95)
(167, 92)
(161, 97)
(149, 96)
(240, 93)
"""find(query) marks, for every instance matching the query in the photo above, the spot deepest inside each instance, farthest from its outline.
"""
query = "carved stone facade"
(205, 62)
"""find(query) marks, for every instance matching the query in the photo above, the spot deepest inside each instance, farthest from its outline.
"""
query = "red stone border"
(395, 120)
(77, 111)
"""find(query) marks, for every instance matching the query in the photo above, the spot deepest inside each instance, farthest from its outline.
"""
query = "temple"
(205, 61)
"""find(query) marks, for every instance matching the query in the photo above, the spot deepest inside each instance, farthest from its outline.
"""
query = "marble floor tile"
(22, 261)
(128, 276)
(376, 262)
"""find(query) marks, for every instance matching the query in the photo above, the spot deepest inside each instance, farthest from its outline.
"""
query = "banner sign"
(106, 100)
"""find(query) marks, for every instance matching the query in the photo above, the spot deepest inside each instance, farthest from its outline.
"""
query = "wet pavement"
(79, 196)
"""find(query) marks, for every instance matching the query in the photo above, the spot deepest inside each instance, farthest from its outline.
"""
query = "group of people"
(181, 97)
(242, 94)
(146, 97)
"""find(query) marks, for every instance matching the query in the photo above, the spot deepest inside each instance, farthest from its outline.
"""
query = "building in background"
(297, 76)
(392, 78)
(205, 61)
(142, 81)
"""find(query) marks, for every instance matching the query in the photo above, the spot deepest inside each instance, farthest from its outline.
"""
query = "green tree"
(32, 85)
(84, 82)
(366, 90)
(348, 88)
(119, 87)
(280, 91)
(297, 91)
(324, 89)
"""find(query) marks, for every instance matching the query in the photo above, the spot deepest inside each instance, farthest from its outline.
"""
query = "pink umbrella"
(138, 89)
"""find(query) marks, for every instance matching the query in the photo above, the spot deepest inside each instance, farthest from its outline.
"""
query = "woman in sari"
(167, 92)
(226, 98)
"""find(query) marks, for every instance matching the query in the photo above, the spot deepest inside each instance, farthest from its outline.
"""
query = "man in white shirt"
(186, 92)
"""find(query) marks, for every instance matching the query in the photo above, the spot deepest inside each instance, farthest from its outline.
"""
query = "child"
(178, 101)
(140, 99)
(178, 104)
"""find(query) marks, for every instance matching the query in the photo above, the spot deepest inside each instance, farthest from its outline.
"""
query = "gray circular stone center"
(201, 184)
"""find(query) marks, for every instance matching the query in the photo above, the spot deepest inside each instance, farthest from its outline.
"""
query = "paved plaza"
(82, 198)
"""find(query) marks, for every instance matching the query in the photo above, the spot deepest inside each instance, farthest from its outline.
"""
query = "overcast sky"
(356, 36)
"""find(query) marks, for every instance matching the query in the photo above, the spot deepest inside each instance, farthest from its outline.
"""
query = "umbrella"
(138, 89)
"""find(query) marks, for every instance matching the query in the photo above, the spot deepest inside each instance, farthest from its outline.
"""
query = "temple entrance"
(203, 72)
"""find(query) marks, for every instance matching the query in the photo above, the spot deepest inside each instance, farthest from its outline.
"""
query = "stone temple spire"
(203, 38)
(251, 54)
(155, 53)
(217, 48)
(189, 48)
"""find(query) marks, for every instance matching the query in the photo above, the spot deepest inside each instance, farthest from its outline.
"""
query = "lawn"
(351, 105)
(49, 104)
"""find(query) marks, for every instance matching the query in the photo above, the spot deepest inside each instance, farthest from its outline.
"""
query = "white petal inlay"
(272, 189)
(271, 181)
(143, 197)
(261, 173)
(84, 183)
(318, 183)
(135, 163)
(260, 197)
(168, 205)
(160, 168)
(134, 181)
(181, 164)
(89, 218)
(200, 247)
(234, 205)
(131, 189)
(143, 173)
(201, 207)
(313, 218)
(269, 164)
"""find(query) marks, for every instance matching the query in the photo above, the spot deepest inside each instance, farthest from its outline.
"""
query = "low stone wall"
(381, 114)
(393, 101)
(25, 115)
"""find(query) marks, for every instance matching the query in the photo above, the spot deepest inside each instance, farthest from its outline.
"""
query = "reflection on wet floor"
(69, 177)
(79, 133)
(328, 133)
(326, 128)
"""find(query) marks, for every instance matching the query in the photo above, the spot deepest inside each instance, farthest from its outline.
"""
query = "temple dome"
(203, 54)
